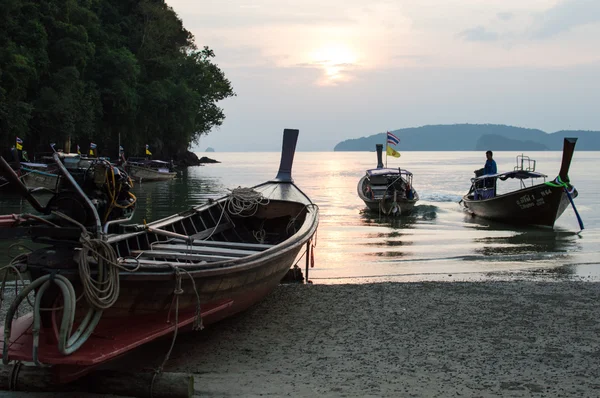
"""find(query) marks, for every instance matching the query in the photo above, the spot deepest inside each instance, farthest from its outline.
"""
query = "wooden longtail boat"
(538, 204)
(182, 272)
(32, 175)
(149, 170)
(39, 175)
(387, 190)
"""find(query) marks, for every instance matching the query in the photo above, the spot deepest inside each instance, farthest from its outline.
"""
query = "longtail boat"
(147, 281)
(149, 170)
(533, 203)
(389, 191)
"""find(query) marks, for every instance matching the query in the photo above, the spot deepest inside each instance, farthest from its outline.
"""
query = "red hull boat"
(147, 281)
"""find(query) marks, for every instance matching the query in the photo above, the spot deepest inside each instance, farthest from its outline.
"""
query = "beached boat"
(534, 203)
(182, 272)
(387, 190)
(149, 170)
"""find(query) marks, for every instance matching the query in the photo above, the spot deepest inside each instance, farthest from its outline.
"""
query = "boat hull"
(190, 269)
(145, 313)
(141, 174)
(40, 179)
(160, 290)
(538, 205)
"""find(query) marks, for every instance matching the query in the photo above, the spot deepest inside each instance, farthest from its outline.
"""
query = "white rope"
(244, 202)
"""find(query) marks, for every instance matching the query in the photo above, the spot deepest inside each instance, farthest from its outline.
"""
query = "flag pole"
(385, 145)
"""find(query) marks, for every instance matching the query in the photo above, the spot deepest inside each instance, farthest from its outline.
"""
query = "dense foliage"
(91, 70)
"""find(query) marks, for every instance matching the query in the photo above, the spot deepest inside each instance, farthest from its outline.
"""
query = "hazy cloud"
(565, 16)
(505, 16)
(478, 33)
(250, 17)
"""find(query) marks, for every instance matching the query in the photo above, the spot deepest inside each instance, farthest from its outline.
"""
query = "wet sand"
(516, 339)
(431, 339)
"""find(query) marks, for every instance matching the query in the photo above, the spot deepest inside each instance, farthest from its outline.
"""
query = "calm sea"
(439, 241)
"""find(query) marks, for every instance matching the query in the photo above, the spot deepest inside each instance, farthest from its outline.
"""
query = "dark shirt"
(490, 167)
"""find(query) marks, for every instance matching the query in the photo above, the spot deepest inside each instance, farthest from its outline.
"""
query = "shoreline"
(415, 339)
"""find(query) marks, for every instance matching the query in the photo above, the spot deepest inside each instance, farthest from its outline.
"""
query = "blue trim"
(40, 172)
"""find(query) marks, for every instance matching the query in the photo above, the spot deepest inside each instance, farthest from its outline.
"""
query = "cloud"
(505, 16)
(565, 16)
(478, 33)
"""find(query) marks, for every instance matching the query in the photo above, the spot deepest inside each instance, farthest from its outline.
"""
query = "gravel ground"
(432, 339)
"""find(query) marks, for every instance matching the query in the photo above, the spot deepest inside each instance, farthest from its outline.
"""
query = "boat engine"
(106, 187)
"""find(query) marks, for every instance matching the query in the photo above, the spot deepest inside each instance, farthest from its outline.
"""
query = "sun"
(335, 59)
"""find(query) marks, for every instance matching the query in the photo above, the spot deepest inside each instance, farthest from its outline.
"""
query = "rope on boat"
(260, 235)
(178, 291)
(292, 222)
(569, 189)
(100, 293)
(245, 200)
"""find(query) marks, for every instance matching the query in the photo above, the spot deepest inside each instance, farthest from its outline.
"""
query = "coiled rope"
(244, 202)
(100, 293)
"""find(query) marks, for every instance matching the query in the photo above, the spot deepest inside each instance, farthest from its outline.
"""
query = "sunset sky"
(341, 69)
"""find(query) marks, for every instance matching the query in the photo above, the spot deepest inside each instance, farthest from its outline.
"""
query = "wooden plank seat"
(203, 250)
(233, 245)
(145, 254)
(212, 231)
(166, 265)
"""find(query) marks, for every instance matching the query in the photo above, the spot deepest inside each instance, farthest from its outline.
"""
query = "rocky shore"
(188, 158)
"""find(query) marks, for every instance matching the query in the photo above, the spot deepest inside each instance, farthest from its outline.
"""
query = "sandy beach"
(431, 339)
(512, 339)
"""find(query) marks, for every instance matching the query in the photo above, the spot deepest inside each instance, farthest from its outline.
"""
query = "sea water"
(438, 241)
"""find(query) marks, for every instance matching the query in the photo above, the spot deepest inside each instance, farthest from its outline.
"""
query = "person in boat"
(490, 164)
(490, 167)
(409, 192)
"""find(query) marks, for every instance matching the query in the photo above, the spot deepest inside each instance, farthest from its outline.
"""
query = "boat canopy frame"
(524, 170)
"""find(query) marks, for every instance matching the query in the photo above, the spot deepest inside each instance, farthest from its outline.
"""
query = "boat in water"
(141, 169)
(389, 191)
(40, 176)
(107, 291)
(34, 175)
(534, 203)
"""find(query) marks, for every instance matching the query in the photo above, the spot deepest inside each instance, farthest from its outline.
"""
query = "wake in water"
(419, 212)
(440, 197)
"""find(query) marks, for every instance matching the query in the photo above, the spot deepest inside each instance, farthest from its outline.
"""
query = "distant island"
(475, 137)
(210, 149)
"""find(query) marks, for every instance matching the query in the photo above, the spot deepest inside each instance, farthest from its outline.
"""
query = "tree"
(97, 70)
